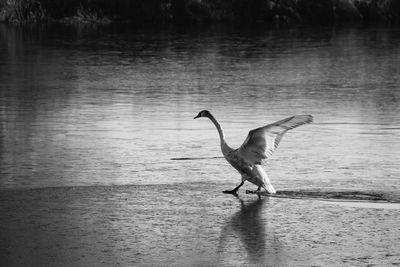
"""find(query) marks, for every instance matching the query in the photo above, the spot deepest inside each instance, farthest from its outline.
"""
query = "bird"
(257, 148)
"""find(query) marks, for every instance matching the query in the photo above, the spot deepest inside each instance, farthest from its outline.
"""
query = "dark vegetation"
(284, 11)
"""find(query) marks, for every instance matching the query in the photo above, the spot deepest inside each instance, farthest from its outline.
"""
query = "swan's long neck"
(219, 128)
(226, 150)
(224, 146)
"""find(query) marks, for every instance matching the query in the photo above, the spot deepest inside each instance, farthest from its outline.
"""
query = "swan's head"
(203, 113)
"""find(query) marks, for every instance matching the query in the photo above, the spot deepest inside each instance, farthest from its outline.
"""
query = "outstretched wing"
(262, 142)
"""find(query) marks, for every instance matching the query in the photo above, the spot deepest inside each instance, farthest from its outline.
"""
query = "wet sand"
(189, 225)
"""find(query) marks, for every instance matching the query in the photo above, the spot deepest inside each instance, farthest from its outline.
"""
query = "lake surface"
(90, 118)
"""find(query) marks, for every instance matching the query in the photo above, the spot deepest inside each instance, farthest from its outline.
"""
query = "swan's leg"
(255, 191)
(233, 191)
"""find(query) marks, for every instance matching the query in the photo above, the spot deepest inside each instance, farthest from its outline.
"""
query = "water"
(109, 106)
(93, 115)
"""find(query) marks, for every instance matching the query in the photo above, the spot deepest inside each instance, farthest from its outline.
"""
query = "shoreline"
(205, 11)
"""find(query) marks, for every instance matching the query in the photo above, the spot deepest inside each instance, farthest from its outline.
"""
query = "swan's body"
(256, 149)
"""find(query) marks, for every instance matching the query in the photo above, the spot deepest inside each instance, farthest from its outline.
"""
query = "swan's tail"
(262, 175)
(270, 189)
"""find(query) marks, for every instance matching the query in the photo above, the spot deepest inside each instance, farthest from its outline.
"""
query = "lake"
(92, 118)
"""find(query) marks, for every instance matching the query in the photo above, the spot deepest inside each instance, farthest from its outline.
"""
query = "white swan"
(256, 149)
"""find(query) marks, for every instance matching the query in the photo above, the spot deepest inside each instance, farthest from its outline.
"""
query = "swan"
(256, 149)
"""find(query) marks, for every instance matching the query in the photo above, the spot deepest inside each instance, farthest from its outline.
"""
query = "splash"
(337, 195)
(196, 158)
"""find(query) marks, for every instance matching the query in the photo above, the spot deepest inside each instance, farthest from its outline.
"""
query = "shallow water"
(91, 117)
(189, 225)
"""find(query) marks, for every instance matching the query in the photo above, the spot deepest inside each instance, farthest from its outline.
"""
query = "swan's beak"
(198, 116)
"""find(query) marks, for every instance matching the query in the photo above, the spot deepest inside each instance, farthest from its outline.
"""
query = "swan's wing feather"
(262, 142)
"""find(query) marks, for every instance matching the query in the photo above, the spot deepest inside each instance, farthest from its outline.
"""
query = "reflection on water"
(181, 225)
(113, 105)
(249, 227)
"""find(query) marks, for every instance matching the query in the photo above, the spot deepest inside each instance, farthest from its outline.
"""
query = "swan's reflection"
(249, 226)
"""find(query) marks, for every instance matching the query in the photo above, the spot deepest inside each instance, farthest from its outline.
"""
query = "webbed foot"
(233, 192)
